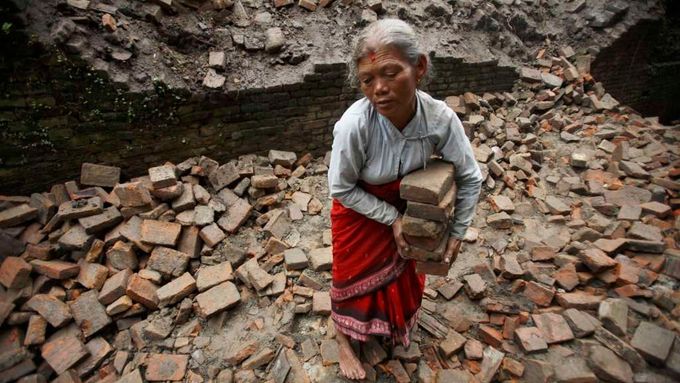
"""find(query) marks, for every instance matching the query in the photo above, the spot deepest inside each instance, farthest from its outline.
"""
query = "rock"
(614, 315)
(217, 299)
(89, 314)
(653, 342)
(162, 367)
(553, 327)
(608, 366)
(530, 339)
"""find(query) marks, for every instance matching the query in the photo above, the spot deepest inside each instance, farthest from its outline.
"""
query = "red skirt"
(374, 290)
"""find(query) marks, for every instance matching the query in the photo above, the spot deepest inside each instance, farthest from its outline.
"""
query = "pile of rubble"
(203, 271)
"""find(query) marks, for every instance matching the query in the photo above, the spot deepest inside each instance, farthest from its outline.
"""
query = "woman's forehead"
(380, 57)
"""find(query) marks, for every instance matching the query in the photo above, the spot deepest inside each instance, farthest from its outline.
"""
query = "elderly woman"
(389, 133)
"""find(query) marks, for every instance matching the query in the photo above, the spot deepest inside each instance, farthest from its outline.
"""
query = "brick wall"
(628, 69)
(55, 113)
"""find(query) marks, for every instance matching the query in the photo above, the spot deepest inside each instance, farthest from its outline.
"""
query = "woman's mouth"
(383, 103)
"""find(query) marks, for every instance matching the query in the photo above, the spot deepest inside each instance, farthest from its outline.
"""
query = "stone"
(428, 185)
(596, 260)
(553, 327)
(55, 269)
(274, 40)
(122, 256)
(52, 309)
(162, 367)
(109, 218)
(321, 303)
(475, 287)
(132, 194)
(160, 232)
(142, 291)
(63, 352)
(574, 370)
(581, 324)
(212, 235)
(15, 273)
(168, 262)
(283, 158)
(89, 314)
(613, 313)
(92, 275)
(295, 259)
(99, 175)
(209, 276)
(654, 343)
(162, 176)
(321, 259)
(114, 287)
(530, 339)
(176, 290)
(217, 299)
(452, 344)
(607, 366)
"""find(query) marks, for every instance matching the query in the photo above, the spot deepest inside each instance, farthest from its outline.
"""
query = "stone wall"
(630, 71)
(56, 113)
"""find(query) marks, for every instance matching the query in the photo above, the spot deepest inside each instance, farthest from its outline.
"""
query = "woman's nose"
(381, 86)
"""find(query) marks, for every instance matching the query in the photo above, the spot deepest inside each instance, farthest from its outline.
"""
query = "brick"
(629, 212)
(452, 344)
(189, 242)
(620, 347)
(264, 181)
(557, 206)
(259, 359)
(109, 218)
(566, 277)
(475, 287)
(283, 3)
(172, 193)
(530, 74)
(142, 291)
(17, 215)
(283, 158)
(428, 185)
(217, 299)
(92, 275)
(490, 336)
(658, 209)
(321, 303)
(15, 273)
(212, 235)
(209, 276)
(162, 367)
(499, 220)
(186, 200)
(613, 313)
(35, 331)
(223, 176)
(176, 290)
(596, 260)
(530, 339)
(295, 259)
(473, 349)
(581, 324)
(46, 207)
(168, 262)
(321, 259)
(579, 300)
(122, 256)
(439, 213)
(417, 227)
(278, 225)
(511, 269)
(490, 363)
(553, 327)
(55, 269)
(99, 175)
(76, 239)
(607, 366)
(79, 209)
(538, 293)
(114, 287)
(98, 349)
(653, 342)
(89, 314)
(162, 176)
(120, 305)
(63, 352)
(132, 231)
(203, 215)
(574, 370)
(235, 216)
(542, 253)
(645, 232)
(133, 194)
(160, 233)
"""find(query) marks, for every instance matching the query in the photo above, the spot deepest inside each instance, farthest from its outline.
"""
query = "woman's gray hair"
(387, 33)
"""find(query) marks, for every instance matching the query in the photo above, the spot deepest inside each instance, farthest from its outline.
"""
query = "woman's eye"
(366, 81)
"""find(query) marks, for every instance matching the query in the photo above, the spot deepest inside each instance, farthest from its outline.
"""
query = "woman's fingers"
(452, 250)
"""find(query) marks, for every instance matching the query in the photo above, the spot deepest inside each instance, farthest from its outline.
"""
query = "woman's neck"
(403, 119)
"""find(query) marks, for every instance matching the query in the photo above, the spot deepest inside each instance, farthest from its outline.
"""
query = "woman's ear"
(421, 67)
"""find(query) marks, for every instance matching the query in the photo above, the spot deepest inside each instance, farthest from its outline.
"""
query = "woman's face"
(389, 81)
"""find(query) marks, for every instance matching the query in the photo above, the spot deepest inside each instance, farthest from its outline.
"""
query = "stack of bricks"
(430, 194)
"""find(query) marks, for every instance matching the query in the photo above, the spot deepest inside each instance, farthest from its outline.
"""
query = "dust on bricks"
(52, 309)
(175, 290)
(161, 367)
(89, 314)
(167, 261)
(217, 299)
(160, 233)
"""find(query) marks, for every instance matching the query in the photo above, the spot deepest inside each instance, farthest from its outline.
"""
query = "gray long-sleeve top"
(368, 147)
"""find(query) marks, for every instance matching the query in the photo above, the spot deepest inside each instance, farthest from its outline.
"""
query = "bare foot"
(350, 366)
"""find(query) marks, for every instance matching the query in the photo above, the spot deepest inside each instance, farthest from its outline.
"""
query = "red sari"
(374, 291)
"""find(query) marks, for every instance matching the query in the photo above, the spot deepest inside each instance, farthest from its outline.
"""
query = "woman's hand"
(452, 250)
(402, 245)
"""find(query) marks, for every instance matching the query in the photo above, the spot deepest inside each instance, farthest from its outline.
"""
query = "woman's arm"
(455, 147)
(348, 158)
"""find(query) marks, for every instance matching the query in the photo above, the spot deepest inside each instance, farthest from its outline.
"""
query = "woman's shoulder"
(436, 110)
(355, 117)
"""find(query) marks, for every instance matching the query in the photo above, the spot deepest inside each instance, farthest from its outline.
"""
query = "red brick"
(553, 327)
(15, 273)
(566, 277)
(321, 303)
(530, 339)
(542, 253)
(142, 291)
(217, 299)
(55, 269)
(160, 233)
(452, 344)
(509, 326)
(63, 352)
(428, 185)
(114, 287)
(168, 262)
(122, 256)
(89, 314)
(212, 235)
(162, 176)
(55, 311)
(579, 300)
(597, 260)
(490, 336)
(162, 367)
(35, 331)
(538, 293)
(17, 215)
(175, 290)
(133, 194)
